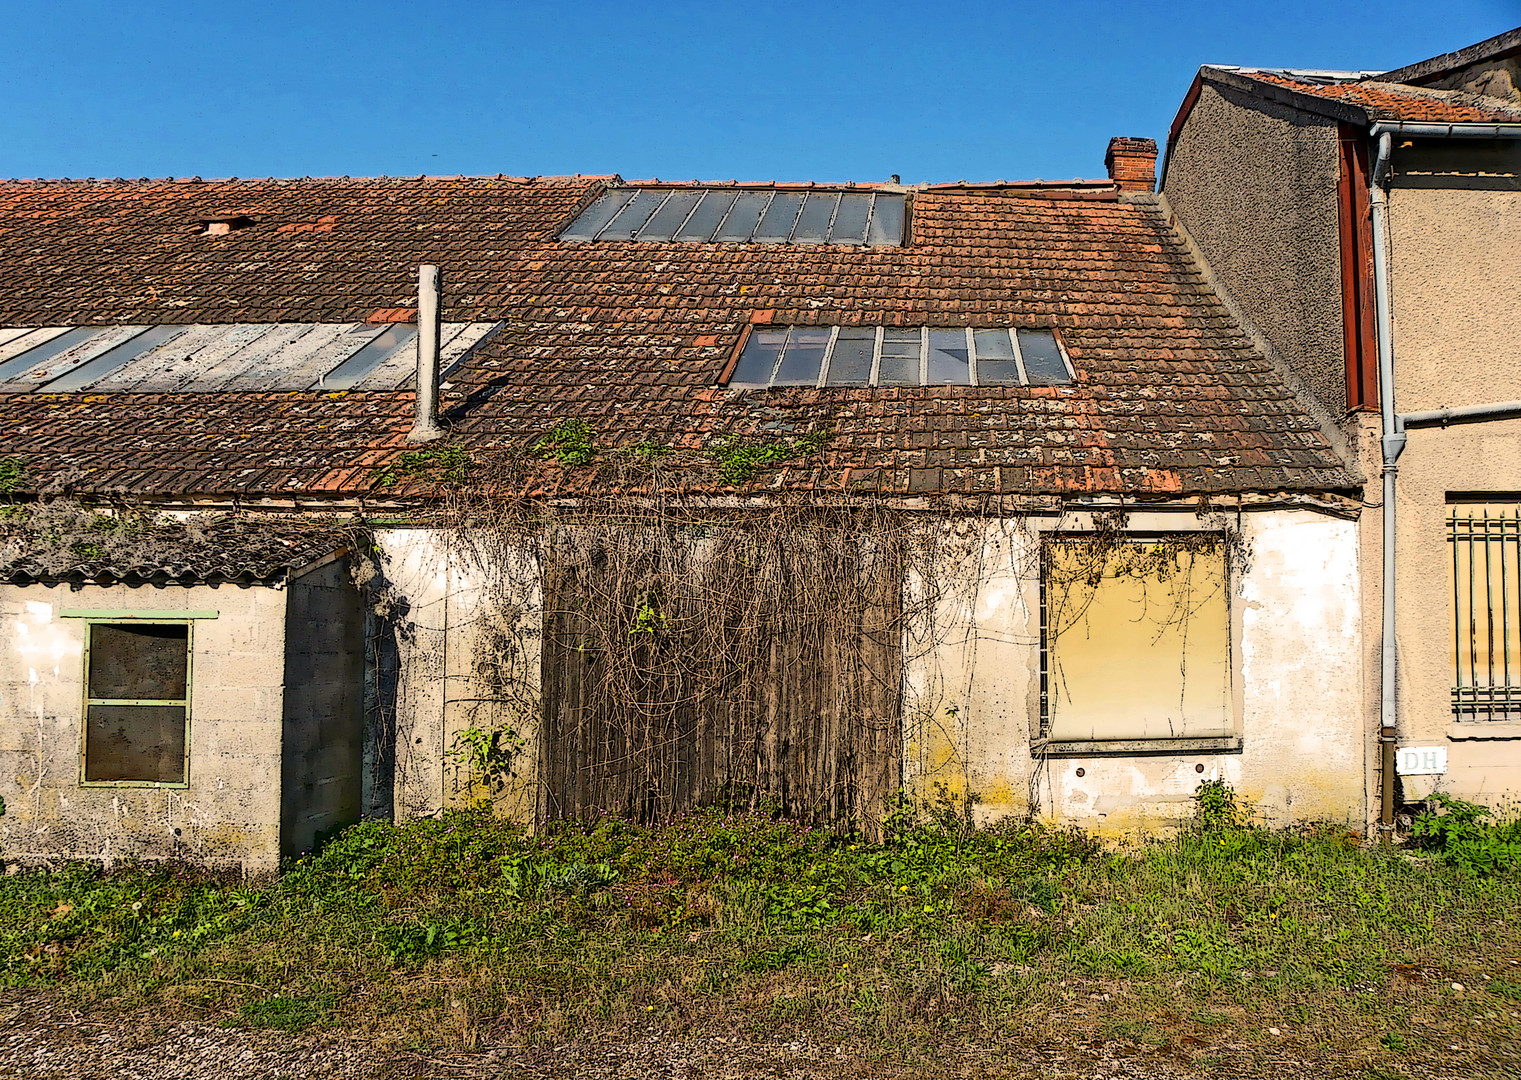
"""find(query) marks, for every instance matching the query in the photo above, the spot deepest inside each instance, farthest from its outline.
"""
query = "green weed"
(569, 442)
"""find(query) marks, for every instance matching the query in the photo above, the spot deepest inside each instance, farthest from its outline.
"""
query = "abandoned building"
(1057, 498)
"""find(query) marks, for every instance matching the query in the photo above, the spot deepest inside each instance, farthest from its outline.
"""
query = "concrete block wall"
(229, 812)
(323, 719)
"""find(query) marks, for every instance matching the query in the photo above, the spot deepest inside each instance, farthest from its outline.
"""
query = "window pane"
(850, 219)
(758, 360)
(993, 344)
(995, 358)
(598, 214)
(633, 216)
(704, 220)
(804, 356)
(670, 216)
(1137, 642)
(743, 217)
(1043, 359)
(135, 662)
(135, 742)
(900, 358)
(1484, 580)
(886, 221)
(947, 358)
(813, 223)
(850, 365)
(776, 226)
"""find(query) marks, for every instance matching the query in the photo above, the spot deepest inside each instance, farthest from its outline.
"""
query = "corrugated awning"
(204, 358)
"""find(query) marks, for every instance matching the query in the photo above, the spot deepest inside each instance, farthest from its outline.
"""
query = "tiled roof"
(1169, 395)
(207, 548)
(1398, 102)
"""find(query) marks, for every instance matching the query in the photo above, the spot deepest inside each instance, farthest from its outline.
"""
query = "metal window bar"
(1485, 542)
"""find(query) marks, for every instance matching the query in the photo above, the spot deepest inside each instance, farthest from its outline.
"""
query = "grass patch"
(432, 932)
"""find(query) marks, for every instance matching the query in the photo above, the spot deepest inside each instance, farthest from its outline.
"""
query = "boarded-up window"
(137, 702)
(1484, 572)
(1136, 640)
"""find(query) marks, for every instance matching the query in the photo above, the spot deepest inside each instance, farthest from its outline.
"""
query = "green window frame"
(151, 718)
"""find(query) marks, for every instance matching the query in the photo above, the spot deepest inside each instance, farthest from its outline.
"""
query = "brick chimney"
(1132, 163)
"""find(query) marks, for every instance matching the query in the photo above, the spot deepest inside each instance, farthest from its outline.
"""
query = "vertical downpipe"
(429, 285)
(1392, 444)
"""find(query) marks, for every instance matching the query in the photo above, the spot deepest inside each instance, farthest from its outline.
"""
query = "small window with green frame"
(137, 703)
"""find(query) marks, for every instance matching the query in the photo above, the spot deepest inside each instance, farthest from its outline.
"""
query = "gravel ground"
(41, 1041)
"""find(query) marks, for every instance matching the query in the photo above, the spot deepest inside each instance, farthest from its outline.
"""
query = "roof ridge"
(159, 181)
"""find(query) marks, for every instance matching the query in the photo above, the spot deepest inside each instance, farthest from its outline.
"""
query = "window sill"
(1484, 729)
(1225, 744)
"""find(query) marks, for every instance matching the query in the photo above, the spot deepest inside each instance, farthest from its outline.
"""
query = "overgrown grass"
(442, 931)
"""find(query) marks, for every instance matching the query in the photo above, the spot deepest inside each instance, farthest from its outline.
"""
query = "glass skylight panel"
(813, 222)
(850, 362)
(367, 359)
(1044, 364)
(672, 213)
(776, 224)
(850, 219)
(707, 215)
(758, 361)
(705, 220)
(803, 357)
(900, 356)
(596, 216)
(901, 353)
(744, 217)
(996, 365)
(947, 361)
(633, 217)
(886, 227)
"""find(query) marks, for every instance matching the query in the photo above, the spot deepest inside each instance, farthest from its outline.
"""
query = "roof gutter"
(1394, 424)
(1446, 131)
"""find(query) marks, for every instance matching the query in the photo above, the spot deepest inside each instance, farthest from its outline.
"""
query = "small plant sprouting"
(489, 756)
(1215, 807)
(738, 462)
(647, 452)
(11, 473)
(447, 465)
(569, 442)
(649, 618)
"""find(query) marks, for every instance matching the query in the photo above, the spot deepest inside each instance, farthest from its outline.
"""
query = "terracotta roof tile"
(632, 337)
(1399, 102)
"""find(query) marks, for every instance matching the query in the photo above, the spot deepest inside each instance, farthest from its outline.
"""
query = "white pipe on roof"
(429, 287)
(1446, 131)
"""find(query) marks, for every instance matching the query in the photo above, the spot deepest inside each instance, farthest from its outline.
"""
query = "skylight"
(222, 357)
(724, 215)
(900, 356)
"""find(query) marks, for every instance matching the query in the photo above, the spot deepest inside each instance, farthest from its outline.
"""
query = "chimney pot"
(1132, 163)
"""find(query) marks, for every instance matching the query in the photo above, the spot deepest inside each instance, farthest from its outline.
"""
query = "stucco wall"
(466, 617)
(1484, 759)
(323, 721)
(1455, 283)
(972, 683)
(230, 812)
(1254, 183)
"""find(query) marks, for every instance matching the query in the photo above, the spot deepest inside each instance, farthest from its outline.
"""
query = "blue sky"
(933, 91)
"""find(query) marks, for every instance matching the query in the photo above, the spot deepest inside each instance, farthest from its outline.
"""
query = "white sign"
(1421, 760)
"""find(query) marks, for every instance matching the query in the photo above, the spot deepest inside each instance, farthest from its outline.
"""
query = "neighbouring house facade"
(1049, 498)
(1356, 216)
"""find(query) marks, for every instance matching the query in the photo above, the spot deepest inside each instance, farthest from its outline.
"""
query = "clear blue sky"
(932, 90)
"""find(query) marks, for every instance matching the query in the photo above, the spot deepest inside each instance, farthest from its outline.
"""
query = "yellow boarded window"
(1136, 639)
(1484, 573)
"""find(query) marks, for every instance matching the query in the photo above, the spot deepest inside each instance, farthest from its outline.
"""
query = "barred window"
(1485, 577)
